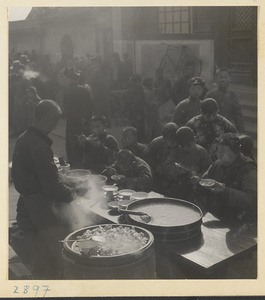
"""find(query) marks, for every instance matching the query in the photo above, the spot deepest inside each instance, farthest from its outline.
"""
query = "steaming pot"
(138, 264)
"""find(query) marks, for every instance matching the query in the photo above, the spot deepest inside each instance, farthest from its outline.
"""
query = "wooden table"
(205, 256)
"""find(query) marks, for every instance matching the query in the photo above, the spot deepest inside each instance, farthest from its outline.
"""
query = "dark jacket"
(185, 110)
(239, 199)
(229, 107)
(78, 108)
(33, 168)
(140, 178)
(206, 132)
(137, 149)
(98, 158)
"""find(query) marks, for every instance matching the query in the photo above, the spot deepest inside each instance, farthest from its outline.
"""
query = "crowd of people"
(169, 145)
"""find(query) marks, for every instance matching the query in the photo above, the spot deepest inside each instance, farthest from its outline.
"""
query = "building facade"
(153, 37)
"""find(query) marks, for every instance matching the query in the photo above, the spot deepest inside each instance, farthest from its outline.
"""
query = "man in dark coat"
(226, 99)
(158, 153)
(137, 173)
(180, 90)
(135, 105)
(35, 177)
(78, 110)
(234, 194)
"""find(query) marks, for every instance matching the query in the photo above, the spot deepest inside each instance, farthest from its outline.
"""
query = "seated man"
(189, 159)
(137, 172)
(36, 178)
(234, 194)
(158, 152)
(100, 148)
(208, 126)
(129, 141)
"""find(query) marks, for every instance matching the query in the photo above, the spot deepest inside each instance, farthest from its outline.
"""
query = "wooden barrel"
(138, 264)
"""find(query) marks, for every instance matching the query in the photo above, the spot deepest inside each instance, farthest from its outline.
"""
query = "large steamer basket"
(178, 232)
(138, 264)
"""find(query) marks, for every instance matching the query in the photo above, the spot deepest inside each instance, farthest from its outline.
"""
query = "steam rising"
(76, 214)
(29, 74)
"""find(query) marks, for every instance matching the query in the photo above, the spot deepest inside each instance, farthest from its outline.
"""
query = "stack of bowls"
(125, 198)
(110, 192)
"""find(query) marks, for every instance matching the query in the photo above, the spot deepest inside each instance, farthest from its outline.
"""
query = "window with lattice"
(201, 19)
(242, 18)
(174, 20)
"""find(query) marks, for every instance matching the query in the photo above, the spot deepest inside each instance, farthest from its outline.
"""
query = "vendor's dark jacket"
(140, 179)
(239, 198)
(98, 158)
(33, 168)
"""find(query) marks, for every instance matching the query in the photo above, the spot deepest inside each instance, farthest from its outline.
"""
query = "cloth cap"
(184, 135)
(71, 73)
(169, 130)
(196, 81)
(209, 106)
(32, 89)
(232, 141)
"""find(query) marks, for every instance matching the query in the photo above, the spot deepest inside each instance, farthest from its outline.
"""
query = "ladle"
(144, 216)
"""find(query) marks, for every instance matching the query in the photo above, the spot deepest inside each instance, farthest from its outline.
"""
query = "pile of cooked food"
(110, 240)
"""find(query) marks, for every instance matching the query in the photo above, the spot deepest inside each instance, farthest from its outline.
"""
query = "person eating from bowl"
(136, 172)
(158, 152)
(98, 149)
(190, 159)
(234, 192)
(35, 177)
(129, 141)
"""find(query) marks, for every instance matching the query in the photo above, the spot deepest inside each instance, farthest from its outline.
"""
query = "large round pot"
(99, 180)
(76, 177)
(138, 264)
(171, 219)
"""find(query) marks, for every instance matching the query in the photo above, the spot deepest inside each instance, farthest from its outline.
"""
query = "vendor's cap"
(169, 130)
(32, 89)
(209, 106)
(184, 135)
(196, 81)
(71, 73)
(231, 140)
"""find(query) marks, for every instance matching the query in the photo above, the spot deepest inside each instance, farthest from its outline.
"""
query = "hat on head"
(184, 135)
(71, 73)
(196, 81)
(31, 89)
(24, 59)
(169, 130)
(209, 106)
(230, 140)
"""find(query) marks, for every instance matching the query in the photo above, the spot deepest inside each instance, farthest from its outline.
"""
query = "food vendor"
(234, 193)
(36, 178)
(137, 172)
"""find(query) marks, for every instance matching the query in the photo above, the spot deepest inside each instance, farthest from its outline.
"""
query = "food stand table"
(209, 255)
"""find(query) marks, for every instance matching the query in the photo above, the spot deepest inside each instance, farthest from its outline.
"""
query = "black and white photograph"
(132, 146)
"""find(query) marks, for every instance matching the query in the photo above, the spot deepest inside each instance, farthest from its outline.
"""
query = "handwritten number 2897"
(35, 288)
